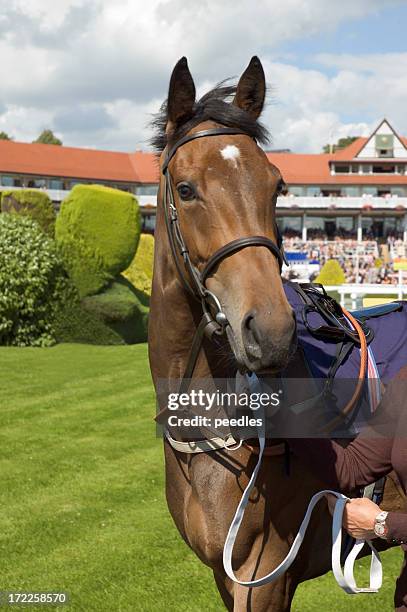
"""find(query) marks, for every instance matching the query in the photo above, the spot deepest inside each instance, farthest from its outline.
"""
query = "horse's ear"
(181, 95)
(251, 89)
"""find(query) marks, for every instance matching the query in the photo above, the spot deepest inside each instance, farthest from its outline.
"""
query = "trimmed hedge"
(123, 308)
(140, 271)
(30, 203)
(73, 323)
(331, 273)
(32, 283)
(97, 230)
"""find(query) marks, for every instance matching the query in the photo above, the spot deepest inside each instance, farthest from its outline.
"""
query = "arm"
(364, 460)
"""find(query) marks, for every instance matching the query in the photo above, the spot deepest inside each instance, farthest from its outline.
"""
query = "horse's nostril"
(251, 335)
(248, 319)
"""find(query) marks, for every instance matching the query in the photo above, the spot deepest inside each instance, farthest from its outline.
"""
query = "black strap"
(238, 245)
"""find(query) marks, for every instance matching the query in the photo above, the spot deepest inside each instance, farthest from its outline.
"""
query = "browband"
(194, 136)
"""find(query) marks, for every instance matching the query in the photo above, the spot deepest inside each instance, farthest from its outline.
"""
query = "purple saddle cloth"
(389, 344)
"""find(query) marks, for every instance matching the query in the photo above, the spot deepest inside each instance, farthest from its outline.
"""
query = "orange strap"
(279, 450)
(362, 373)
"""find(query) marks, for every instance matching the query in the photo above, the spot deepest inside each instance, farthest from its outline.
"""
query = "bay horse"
(219, 188)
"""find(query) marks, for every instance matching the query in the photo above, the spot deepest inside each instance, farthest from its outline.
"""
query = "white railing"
(340, 203)
(361, 290)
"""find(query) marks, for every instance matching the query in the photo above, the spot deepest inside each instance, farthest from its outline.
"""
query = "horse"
(217, 247)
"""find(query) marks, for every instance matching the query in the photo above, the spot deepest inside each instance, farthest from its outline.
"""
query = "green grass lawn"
(82, 491)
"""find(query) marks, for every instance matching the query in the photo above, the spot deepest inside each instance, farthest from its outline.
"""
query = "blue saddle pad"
(389, 345)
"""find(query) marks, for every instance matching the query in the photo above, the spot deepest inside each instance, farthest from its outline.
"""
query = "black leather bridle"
(195, 283)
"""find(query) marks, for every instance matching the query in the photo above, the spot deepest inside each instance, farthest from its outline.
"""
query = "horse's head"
(225, 188)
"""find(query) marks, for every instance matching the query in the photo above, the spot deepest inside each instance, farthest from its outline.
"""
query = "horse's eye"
(281, 187)
(186, 191)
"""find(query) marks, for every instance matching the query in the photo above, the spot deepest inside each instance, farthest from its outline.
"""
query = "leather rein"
(194, 281)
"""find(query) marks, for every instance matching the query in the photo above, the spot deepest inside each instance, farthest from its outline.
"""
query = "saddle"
(323, 333)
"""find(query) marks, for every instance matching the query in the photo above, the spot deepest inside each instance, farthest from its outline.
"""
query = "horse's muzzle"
(269, 342)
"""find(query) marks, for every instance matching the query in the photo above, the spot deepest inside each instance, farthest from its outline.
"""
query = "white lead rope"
(345, 578)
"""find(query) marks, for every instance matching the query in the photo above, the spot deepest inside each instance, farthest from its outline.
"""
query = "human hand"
(359, 518)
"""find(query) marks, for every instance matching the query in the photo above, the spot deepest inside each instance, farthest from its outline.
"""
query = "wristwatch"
(380, 527)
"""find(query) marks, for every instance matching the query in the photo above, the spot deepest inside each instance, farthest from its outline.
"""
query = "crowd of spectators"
(366, 262)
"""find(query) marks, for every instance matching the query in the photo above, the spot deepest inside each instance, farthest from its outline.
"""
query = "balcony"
(342, 203)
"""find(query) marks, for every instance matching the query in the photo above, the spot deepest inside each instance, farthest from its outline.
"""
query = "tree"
(331, 274)
(341, 144)
(48, 137)
(5, 136)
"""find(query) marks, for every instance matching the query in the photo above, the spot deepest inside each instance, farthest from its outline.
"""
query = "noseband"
(192, 279)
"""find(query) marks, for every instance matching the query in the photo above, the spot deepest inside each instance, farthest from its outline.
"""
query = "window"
(345, 223)
(342, 169)
(355, 169)
(386, 153)
(350, 192)
(332, 192)
(372, 191)
(316, 223)
(399, 191)
(37, 183)
(384, 169)
(366, 168)
(56, 184)
(296, 191)
(291, 225)
(7, 181)
(147, 190)
(313, 191)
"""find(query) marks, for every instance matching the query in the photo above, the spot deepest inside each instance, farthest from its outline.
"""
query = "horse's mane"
(216, 106)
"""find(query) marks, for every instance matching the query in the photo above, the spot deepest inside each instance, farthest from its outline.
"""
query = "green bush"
(32, 283)
(123, 308)
(97, 230)
(73, 323)
(30, 203)
(331, 273)
(140, 271)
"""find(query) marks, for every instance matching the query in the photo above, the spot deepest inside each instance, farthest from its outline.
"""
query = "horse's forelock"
(216, 105)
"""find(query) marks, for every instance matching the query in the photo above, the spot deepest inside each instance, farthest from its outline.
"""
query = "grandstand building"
(358, 192)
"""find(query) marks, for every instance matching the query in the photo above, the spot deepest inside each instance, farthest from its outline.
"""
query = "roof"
(53, 160)
(314, 169)
(142, 167)
(145, 166)
(352, 150)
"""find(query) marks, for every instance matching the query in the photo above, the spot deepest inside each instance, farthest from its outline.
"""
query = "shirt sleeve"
(397, 524)
(362, 462)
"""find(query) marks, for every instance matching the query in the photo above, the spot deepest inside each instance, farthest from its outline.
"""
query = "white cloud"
(115, 59)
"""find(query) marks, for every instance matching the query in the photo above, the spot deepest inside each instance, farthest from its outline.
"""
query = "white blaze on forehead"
(230, 152)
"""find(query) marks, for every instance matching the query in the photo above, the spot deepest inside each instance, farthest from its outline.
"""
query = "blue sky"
(383, 31)
(95, 70)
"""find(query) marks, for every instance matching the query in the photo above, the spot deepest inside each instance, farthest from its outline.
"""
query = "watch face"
(380, 529)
